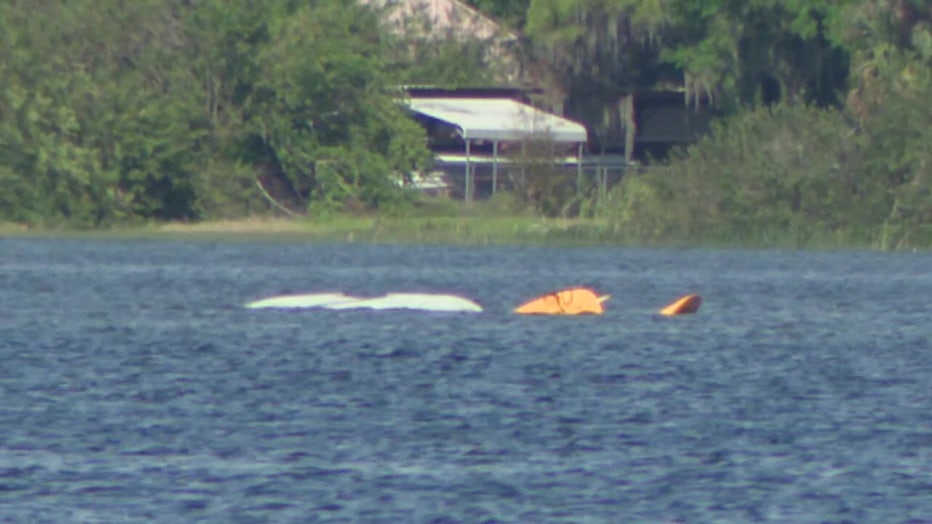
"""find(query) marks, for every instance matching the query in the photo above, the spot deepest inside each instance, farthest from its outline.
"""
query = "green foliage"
(447, 62)
(594, 47)
(113, 111)
(893, 111)
(793, 172)
(419, 52)
(511, 12)
(726, 51)
(326, 114)
(541, 182)
(859, 168)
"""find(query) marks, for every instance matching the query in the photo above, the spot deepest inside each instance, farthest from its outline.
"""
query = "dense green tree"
(730, 52)
(862, 165)
(174, 110)
(510, 12)
(328, 113)
(862, 172)
(87, 120)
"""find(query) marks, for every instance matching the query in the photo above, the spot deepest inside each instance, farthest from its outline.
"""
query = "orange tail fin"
(682, 306)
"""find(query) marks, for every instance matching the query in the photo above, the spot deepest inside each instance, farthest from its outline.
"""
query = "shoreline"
(454, 230)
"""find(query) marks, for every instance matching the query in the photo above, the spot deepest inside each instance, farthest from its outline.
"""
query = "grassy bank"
(456, 230)
(466, 230)
(484, 223)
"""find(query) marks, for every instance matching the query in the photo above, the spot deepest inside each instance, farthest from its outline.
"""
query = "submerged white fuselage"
(340, 301)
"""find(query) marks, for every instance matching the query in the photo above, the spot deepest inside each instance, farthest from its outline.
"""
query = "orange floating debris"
(682, 306)
(574, 301)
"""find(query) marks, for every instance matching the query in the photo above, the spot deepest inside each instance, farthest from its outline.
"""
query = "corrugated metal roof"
(499, 119)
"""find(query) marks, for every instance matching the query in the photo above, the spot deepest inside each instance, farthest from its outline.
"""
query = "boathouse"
(478, 136)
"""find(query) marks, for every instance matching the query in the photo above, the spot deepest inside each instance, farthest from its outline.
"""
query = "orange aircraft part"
(683, 306)
(575, 301)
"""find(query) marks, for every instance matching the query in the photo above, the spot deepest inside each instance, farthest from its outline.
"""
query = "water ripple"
(134, 388)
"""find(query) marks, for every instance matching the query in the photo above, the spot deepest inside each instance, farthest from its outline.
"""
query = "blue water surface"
(134, 387)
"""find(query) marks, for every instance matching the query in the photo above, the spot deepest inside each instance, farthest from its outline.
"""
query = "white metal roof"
(499, 119)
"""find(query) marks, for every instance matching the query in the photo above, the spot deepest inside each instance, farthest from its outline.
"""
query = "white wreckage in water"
(338, 301)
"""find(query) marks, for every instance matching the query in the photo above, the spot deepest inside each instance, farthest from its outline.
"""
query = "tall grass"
(497, 222)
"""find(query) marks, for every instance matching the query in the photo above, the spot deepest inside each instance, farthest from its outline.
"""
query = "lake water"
(134, 387)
